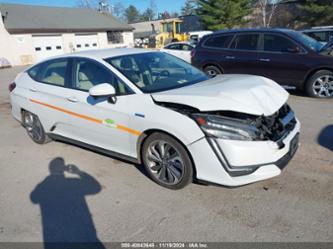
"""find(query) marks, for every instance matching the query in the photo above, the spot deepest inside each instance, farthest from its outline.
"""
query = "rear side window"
(33, 72)
(53, 72)
(245, 42)
(221, 41)
(319, 36)
(186, 47)
(174, 47)
(330, 36)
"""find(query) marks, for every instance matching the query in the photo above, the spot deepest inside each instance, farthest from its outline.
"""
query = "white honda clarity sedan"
(154, 109)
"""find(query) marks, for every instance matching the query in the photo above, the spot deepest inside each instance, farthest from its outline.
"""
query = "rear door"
(214, 51)
(282, 59)
(243, 54)
(49, 93)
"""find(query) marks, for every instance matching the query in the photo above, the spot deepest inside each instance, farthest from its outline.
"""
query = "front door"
(98, 121)
(282, 60)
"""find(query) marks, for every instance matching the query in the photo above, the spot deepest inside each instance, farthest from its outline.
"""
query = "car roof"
(107, 53)
(243, 30)
(318, 30)
(175, 43)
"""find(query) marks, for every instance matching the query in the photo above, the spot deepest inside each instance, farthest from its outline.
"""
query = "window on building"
(38, 49)
(115, 37)
(48, 48)
(58, 47)
(94, 44)
(78, 45)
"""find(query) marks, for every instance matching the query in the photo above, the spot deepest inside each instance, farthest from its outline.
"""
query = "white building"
(31, 33)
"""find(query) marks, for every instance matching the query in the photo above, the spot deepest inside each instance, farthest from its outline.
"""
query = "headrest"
(126, 63)
(83, 77)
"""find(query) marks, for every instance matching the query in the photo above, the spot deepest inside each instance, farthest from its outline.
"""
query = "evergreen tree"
(189, 8)
(221, 14)
(132, 14)
(316, 12)
(148, 15)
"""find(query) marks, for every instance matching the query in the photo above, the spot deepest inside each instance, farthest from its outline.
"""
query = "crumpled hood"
(240, 93)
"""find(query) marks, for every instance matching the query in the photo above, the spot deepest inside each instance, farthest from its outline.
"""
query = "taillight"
(193, 52)
(11, 87)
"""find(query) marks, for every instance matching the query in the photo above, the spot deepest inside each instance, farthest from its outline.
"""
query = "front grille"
(278, 125)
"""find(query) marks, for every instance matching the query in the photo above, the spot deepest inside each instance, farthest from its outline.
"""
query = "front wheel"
(320, 85)
(212, 71)
(167, 161)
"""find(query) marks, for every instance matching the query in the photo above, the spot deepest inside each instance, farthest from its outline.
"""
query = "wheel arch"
(215, 64)
(145, 134)
(313, 71)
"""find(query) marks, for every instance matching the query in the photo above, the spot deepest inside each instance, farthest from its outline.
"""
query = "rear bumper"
(236, 163)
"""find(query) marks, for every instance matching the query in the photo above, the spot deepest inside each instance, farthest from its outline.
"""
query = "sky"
(162, 5)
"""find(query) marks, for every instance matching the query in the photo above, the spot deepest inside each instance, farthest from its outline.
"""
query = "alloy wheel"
(211, 73)
(165, 162)
(33, 126)
(323, 86)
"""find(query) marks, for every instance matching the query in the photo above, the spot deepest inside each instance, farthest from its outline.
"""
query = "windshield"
(307, 41)
(156, 71)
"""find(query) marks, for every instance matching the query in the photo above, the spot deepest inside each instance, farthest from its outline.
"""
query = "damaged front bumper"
(235, 163)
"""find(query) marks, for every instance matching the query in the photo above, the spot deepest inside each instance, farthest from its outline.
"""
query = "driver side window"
(88, 73)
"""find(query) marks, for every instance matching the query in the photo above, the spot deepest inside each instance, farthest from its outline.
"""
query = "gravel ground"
(119, 203)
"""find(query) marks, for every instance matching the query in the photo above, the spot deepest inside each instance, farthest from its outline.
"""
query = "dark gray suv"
(286, 56)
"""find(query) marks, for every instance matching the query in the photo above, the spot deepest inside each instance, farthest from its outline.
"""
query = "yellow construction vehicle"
(170, 31)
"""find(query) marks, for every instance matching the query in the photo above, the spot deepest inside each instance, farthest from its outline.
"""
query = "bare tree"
(90, 4)
(266, 10)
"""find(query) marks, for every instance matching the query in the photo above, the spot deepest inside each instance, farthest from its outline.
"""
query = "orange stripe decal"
(129, 130)
(95, 120)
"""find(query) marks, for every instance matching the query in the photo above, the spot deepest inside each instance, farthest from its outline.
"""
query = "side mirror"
(101, 90)
(104, 90)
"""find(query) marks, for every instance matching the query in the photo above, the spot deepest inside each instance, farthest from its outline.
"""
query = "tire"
(320, 85)
(34, 128)
(212, 71)
(172, 168)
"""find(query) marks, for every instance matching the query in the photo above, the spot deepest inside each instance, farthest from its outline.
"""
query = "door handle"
(32, 89)
(230, 57)
(72, 99)
(266, 60)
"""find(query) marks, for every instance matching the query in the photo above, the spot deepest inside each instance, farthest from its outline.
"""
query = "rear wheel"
(320, 85)
(34, 128)
(212, 71)
(166, 161)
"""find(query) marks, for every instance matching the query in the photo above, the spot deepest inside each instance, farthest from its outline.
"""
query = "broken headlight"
(227, 128)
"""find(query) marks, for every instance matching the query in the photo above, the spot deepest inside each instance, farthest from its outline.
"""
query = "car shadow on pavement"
(66, 219)
(325, 137)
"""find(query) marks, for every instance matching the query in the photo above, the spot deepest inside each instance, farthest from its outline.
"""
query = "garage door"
(86, 42)
(46, 46)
